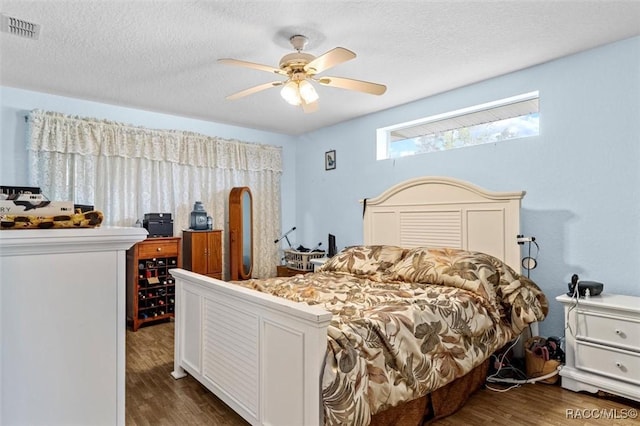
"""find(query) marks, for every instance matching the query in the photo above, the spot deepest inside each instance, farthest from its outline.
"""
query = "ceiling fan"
(300, 70)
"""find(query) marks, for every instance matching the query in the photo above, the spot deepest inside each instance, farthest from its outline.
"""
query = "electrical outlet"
(521, 239)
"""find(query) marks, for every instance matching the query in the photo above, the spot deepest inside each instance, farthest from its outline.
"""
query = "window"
(505, 119)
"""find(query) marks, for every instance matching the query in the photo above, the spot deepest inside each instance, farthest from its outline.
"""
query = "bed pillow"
(471, 271)
(364, 260)
(517, 299)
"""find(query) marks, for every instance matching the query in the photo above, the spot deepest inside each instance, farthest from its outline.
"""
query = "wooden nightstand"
(602, 344)
(284, 271)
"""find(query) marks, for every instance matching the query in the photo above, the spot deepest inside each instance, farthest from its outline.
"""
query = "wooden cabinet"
(150, 286)
(602, 344)
(203, 252)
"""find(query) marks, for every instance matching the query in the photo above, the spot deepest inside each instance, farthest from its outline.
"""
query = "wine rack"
(150, 286)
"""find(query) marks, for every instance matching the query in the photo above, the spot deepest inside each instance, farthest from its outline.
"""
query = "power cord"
(529, 262)
(528, 381)
(501, 363)
(494, 378)
(574, 295)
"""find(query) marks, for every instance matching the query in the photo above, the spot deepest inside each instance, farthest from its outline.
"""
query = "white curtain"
(126, 171)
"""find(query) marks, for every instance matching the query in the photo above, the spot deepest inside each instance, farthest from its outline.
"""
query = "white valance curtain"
(126, 171)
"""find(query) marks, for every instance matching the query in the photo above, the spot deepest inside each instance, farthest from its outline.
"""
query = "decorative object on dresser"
(28, 208)
(150, 287)
(198, 219)
(35, 204)
(602, 336)
(241, 233)
(62, 325)
(202, 252)
(158, 224)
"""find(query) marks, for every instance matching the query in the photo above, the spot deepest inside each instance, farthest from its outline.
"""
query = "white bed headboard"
(446, 212)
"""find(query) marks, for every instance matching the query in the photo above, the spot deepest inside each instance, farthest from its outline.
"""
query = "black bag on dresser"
(158, 224)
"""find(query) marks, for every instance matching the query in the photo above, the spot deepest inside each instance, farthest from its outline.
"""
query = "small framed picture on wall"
(330, 160)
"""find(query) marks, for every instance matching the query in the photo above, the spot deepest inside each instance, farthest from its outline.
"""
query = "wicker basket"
(301, 261)
(537, 366)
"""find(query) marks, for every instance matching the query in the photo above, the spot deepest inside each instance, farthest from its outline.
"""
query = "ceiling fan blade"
(351, 84)
(253, 65)
(329, 60)
(311, 107)
(253, 90)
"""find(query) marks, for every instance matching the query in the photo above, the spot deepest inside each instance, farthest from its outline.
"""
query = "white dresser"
(602, 344)
(62, 325)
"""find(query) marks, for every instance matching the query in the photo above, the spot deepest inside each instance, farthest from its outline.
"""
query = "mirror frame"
(237, 232)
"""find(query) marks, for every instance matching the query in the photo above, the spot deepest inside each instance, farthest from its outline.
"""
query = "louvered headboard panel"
(445, 212)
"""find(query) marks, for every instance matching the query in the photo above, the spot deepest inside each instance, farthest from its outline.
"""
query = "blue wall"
(581, 175)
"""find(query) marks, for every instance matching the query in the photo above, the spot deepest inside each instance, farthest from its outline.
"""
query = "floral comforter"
(407, 321)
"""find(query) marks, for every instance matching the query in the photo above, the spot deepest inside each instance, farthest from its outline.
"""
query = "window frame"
(384, 134)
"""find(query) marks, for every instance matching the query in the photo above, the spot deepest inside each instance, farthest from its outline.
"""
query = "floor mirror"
(241, 233)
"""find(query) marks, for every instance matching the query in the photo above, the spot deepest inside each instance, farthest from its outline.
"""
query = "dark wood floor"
(153, 397)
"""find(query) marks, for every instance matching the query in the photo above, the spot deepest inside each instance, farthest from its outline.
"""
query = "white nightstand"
(602, 344)
(318, 262)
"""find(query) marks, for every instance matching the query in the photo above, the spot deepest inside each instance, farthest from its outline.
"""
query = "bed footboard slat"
(260, 354)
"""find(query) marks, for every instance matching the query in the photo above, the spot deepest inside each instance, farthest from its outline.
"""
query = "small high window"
(505, 119)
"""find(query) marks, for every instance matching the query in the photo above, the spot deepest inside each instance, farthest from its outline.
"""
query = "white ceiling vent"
(19, 27)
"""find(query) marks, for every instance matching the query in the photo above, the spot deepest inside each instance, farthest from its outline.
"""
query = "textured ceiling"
(161, 55)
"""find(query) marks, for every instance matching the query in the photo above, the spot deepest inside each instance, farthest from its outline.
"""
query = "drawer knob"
(619, 364)
(159, 249)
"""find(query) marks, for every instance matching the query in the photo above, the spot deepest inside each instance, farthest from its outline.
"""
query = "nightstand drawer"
(619, 364)
(160, 248)
(609, 330)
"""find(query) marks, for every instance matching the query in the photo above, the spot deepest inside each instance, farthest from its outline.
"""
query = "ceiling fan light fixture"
(294, 92)
(301, 70)
(291, 93)
(307, 92)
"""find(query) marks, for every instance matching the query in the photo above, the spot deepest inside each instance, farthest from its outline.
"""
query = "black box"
(19, 189)
(83, 207)
(158, 224)
(158, 217)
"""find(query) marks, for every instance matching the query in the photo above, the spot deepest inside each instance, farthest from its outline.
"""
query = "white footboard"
(260, 354)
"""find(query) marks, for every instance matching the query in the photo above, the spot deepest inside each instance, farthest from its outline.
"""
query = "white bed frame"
(445, 212)
(263, 355)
